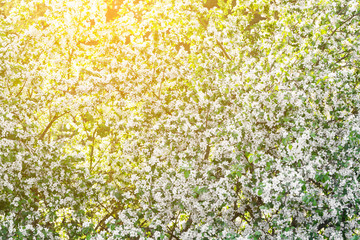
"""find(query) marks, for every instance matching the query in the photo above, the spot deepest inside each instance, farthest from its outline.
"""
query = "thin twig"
(223, 50)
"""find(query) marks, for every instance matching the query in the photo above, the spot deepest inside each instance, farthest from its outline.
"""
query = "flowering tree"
(179, 119)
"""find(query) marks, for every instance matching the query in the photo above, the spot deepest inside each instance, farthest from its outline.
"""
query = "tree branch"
(56, 117)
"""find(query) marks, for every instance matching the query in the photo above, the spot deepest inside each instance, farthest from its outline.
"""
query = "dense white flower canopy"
(191, 119)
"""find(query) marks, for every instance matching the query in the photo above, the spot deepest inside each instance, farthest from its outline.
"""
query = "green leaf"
(117, 195)
(186, 173)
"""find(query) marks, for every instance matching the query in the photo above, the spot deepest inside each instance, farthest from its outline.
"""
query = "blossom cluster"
(182, 119)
